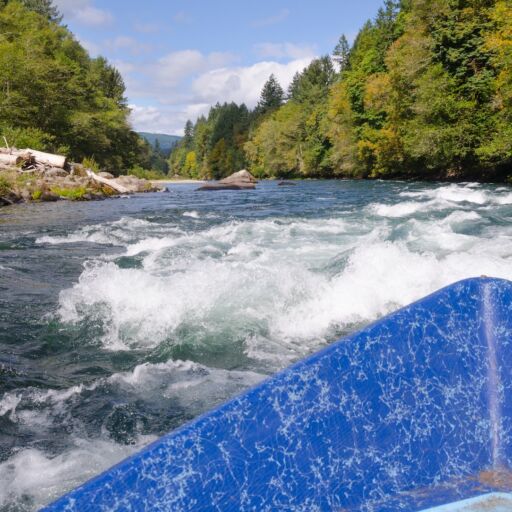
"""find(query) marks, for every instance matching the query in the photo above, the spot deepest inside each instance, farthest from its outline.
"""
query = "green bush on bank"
(139, 172)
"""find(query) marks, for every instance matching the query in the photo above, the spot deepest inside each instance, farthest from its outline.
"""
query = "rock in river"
(241, 180)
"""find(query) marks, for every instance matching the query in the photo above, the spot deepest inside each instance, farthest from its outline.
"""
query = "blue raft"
(411, 413)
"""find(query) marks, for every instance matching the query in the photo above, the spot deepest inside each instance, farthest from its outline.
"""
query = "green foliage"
(5, 186)
(53, 96)
(213, 146)
(420, 95)
(311, 86)
(30, 137)
(272, 96)
(44, 8)
(142, 173)
(36, 195)
(341, 53)
(73, 194)
(90, 163)
(425, 91)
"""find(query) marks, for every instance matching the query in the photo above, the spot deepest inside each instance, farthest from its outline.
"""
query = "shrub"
(139, 172)
(36, 195)
(74, 194)
(90, 163)
(5, 186)
(33, 138)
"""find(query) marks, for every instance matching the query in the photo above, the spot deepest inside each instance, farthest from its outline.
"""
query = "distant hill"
(167, 142)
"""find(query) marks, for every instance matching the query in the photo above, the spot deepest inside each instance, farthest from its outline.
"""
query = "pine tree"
(272, 96)
(341, 53)
(188, 138)
(44, 8)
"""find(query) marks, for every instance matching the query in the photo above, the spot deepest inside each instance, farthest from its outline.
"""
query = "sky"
(179, 57)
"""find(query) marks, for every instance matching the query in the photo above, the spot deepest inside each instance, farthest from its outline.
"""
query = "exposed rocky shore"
(30, 176)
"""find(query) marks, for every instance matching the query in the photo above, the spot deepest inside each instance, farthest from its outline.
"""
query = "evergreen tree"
(44, 8)
(313, 83)
(272, 96)
(188, 137)
(341, 53)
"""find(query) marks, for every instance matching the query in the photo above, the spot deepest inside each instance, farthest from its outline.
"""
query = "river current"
(122, 319)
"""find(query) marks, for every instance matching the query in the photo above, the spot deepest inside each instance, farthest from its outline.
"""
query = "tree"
(424, 92)
(188, 137)
(49, 86)
(44, 8)
(312, 85)
(272, 96)
(341, 53)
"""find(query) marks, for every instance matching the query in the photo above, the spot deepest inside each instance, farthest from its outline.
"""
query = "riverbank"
(77, 184)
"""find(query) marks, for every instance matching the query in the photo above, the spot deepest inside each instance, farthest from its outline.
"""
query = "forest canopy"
(424, 91)
(55, 97)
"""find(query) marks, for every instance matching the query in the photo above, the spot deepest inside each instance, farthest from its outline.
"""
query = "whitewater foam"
(34, 478)
(262, 281)
(117, 233)
(470, 193)
(244, 296)
(39, 476)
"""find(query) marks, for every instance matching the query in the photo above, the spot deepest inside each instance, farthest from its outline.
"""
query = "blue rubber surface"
(411, 412)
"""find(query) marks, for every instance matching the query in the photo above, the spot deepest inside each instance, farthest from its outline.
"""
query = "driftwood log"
(7, 159)
(48, 158)
(120, 189)
(26, 157)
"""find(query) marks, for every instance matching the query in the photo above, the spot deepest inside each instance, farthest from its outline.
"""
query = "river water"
(122, 319)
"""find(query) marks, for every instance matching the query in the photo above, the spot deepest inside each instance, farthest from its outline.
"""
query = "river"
(122, 319)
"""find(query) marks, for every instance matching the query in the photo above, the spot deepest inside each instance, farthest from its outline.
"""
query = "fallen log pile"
(31, 160)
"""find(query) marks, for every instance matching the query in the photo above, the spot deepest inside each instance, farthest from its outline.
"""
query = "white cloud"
(165, 119)
(184, 84)
(93, 16)
(272, 20)
(284, 50)
(175, 67)
(243, 84)
(84, 12)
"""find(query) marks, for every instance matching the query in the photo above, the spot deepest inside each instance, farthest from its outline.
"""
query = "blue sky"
(179, 57)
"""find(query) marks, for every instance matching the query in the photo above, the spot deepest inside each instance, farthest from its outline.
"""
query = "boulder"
(106, 175)
(134, 184)
(48, 196)
(286, 184)
(241, 180)
(55, 172)
(78, 170)
(240, 177)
